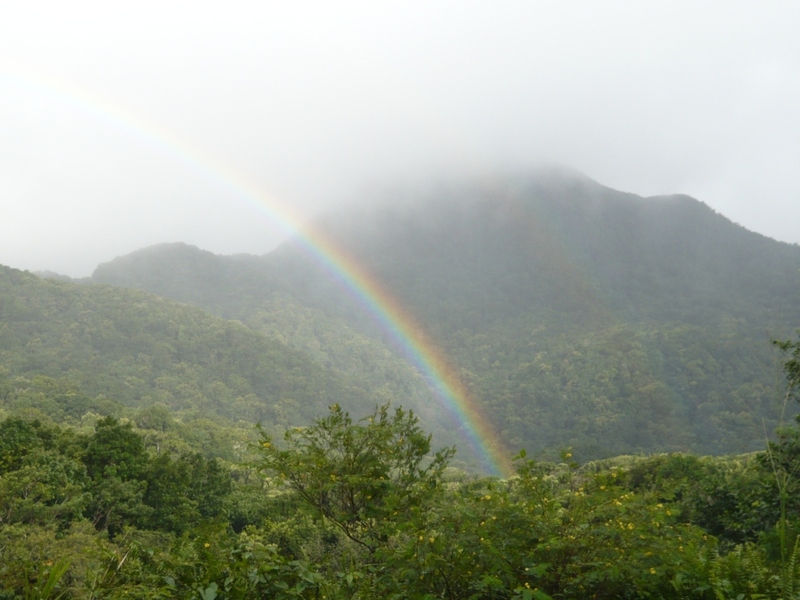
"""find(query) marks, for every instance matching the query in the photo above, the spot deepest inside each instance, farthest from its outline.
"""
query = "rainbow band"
(417, 346)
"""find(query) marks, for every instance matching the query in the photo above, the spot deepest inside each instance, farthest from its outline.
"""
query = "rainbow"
(475, 428)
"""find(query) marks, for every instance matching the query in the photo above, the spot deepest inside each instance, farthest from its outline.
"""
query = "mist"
(124, 127)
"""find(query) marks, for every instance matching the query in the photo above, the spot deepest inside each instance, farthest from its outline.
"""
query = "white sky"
(105, 110)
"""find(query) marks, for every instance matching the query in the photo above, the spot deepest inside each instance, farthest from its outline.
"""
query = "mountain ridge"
(560, 301)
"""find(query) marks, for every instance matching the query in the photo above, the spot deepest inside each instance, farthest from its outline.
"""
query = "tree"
(361, 476)
(783, 456)
(115, 450)
(116, 461)
(182, 491)
(20, 440)
(792, 364)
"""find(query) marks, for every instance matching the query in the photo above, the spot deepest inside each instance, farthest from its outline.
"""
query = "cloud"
(312, 101)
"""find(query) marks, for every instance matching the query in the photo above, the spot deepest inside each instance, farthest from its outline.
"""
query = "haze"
(124, 127)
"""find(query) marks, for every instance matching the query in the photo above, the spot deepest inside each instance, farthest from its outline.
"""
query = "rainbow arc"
(417, 346)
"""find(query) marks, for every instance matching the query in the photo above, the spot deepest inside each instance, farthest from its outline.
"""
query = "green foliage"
(114, 451)
(182, 492)
(20, 439)
(358, 475)
(49, 489)
(360, 508)
(119, 403)
(550, 533)
(70, 350)
(41, 560)
(791, 366)
(54, 477)
(733, 499)
(783, 460)
(576, 315)
(582, 316)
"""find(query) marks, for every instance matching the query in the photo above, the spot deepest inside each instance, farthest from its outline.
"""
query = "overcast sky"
(124, 127)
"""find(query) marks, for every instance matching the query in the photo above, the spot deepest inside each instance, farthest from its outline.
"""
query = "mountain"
(245, 288)
(69, 350)
(560, 242)
(578, 315)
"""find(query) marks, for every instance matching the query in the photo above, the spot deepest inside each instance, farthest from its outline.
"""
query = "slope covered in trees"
(556, 242)
(361, 508)
(243, 288)
(129, 468)
(70, 350)
(576, 314)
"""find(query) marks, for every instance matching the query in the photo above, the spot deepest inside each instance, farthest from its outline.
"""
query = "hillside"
(579, 315)
(560, 242)
(244, 288)
(69, 350)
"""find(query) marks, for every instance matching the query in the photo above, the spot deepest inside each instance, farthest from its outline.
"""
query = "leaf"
(56, 573)
(210, 593)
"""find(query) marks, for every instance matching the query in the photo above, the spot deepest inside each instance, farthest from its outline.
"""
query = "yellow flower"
(652, 570)
(206, 545)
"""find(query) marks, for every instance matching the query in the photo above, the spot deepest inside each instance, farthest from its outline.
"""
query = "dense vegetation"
(361, 509)
(107, 344)
(576, 314)
(589, 323)
(244, 288)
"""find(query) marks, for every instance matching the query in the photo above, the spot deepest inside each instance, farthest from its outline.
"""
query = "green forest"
(351, 507)
(187, 425)
(575, 314)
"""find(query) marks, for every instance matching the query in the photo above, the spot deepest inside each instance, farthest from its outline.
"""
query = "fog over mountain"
(125, 127)
(577, 315)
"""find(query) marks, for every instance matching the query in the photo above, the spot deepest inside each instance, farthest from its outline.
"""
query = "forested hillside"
(588, 323)
(579, 315)
(72, 351)
(364, 508)
(481, 255)
(243, 288)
